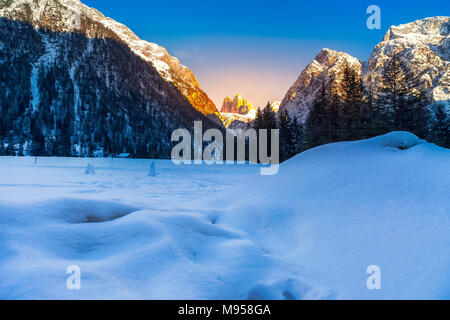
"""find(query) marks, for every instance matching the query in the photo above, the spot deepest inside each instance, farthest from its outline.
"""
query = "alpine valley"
(347, 199)
(76, 83)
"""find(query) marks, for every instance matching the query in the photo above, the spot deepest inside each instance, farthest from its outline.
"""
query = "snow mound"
(131, 254)
(90, 169)
(71, 211)
(401, 140)
(337, 209)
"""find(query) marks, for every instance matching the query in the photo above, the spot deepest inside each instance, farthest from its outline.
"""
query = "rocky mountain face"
(324, 70)
(73, 81)
(235, 120)
(423, 45)
(73, 16)
(238, 113)
(237, 110)
(237, 105)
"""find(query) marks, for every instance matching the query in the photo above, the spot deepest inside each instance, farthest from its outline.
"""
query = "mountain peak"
(325, 67)
(237, 105)
(423, 46)
(74, 16)
(327, 57)
(434, 27)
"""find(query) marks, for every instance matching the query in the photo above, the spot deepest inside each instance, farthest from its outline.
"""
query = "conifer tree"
(258, 122)
(269, 119)
(441, 127)
(317, 130)
(351, 121)
(287, 136)
(298, 130)
(37, 139)
(403, 99)
(9, 151)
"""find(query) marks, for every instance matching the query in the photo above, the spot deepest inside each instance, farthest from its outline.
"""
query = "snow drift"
(340, 208)
(224, 232)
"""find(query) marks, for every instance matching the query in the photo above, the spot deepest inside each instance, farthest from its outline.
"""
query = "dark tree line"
(345, 110)
(291, 130)
(94, 94)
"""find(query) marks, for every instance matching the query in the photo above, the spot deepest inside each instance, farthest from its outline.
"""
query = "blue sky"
(259, 48)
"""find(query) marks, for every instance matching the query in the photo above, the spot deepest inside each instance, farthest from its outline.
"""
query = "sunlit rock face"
(423, 46)
(237, 105)
(238, 113)
(237, 110)
(324, 70)
(73, 16)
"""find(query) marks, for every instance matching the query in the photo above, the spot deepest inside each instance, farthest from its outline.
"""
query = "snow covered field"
(225, 232)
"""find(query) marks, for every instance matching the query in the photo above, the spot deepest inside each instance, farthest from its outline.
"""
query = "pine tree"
(37, 140)
(288, 139)
(269, 118)
(270, 122)
(258, 122)
(394, 81)
(9, 151)
(298, 130)
(419, 122)
(333, 106)
(65, 146)
(402, 99)
(441, 127)
(20, 151)
(318, 122)
(372, 117)
(351, 120)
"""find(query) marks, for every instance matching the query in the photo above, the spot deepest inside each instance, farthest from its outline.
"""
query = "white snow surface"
(224, 232)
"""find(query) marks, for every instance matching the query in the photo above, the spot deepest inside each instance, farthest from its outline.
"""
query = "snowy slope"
(340, 208)
(224, 232)
(73, 16)
(229, 118)
(87, 89)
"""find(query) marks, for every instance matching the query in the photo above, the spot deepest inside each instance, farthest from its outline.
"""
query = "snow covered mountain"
(238, 105)
(235, 120)
(239, 112)
(237, 109)
(326, 67)
(74, 81)
(73, 16)
(424, 45)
